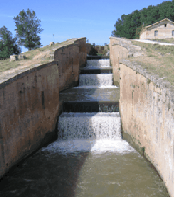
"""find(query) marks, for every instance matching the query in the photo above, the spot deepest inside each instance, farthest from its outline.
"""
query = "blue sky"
(66, 19)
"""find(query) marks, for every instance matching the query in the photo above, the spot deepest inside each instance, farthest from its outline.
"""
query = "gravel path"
(150, 41)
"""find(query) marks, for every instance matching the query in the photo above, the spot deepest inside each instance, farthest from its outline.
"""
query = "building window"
(165, 25)
(172, 32)
(156, 33)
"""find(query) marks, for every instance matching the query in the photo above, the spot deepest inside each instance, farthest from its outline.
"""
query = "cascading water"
(98, 63)
(90, 126)
(95, 131)
(95, 79)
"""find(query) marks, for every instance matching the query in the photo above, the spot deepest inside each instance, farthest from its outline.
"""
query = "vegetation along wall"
(146, 108)
(29, 102)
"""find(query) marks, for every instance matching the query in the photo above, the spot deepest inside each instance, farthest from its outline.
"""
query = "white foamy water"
(93, 146)
(99, 86)
(98, 63)
(95, 79)
(101, 125)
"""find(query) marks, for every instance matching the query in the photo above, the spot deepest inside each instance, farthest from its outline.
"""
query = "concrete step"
(90, 94)
(96, 70)
(101, 106)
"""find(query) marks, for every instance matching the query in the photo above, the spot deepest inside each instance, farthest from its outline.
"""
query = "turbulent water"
(89, 159)
(98, 79)
(90, 125)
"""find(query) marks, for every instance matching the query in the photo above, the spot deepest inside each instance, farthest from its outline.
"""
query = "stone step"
(96, 70)
(97, 106)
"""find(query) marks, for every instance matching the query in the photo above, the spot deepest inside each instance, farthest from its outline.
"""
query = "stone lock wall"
(82, 51)
(147, 112)
(69, 59)
(28, 109)
(68, 63)
(29, 102)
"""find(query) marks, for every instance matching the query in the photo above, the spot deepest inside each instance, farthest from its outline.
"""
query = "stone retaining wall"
(29, 102)
(147, 113)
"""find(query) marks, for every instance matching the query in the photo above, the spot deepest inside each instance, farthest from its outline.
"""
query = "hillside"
(38, 56)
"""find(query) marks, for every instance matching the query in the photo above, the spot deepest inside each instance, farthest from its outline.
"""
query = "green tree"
(129, 26)
(28, 27)
(8, 44)
(93, 51)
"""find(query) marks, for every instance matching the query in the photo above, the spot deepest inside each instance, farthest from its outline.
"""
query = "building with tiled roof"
(159, 30)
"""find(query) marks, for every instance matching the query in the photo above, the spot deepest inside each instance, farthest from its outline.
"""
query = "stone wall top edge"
(12, 75)
(65, 46)
(81, 38)
(69, 44)
(159, 82)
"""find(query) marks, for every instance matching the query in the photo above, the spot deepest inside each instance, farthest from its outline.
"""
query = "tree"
(28, 26)
(93, 51)
(129, 26)
(8, 44)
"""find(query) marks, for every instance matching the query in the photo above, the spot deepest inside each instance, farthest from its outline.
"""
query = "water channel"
(89, 158)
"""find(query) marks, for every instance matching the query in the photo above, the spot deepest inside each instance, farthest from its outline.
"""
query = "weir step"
(90, 125)
(98, 63)
(95, 79)
(89, 94)
(90, 106)
(96, 70)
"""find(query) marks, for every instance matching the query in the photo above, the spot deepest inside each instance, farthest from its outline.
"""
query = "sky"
(66, 19)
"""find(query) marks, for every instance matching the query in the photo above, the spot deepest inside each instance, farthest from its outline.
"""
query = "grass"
(158, 60)
(7, 65)
(37, 56)
(167, 40)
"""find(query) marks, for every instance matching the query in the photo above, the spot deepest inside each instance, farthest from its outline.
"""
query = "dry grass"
(167, 40)
(38, 56)
(157, 59)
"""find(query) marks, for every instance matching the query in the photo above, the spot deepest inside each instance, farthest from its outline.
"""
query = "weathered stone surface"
(51, 44)
(147, 113)
(13, 57)
(28, 111)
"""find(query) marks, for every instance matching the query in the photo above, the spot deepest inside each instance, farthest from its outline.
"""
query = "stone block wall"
(69, 59)
(29, 106)
(82, 51)
(29, 102)
(147, 112)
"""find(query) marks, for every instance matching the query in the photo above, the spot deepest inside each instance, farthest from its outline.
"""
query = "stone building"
(159, 30)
